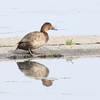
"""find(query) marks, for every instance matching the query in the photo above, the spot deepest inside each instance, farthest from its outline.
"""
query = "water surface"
(58, 79)
(74, 17)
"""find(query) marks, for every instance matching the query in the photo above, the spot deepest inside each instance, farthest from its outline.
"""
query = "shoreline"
(86, 46)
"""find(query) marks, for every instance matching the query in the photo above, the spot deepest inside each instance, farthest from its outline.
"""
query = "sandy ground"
(85, 46)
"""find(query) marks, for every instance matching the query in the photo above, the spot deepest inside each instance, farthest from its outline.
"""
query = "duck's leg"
(30, 52)
(34, 52)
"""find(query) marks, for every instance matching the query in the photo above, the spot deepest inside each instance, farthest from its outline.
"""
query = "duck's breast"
(39, 40)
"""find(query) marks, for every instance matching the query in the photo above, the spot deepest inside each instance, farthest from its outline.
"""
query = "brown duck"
(35, 39)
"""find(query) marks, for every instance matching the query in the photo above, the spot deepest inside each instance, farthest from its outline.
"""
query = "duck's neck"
(43, 29)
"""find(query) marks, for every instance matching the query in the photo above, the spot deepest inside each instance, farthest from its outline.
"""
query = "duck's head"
(47, 26)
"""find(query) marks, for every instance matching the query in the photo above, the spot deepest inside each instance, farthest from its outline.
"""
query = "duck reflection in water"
(36, 70)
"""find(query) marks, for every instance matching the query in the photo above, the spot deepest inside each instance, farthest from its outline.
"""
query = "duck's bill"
(54, 28)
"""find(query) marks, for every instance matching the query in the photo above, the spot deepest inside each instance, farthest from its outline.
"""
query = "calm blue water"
(71, 17)
(75, 80)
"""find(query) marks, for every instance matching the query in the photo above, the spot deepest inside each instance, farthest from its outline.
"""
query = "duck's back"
(30, 36)
(33, 40)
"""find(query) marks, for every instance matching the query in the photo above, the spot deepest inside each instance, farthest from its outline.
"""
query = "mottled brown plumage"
(35, 39)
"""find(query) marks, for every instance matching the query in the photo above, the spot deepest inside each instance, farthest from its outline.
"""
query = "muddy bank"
(85, 46)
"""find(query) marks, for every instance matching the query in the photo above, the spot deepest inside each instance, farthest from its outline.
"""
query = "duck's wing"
(29, 37)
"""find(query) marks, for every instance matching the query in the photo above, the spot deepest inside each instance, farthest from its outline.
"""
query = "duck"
(36, 39)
